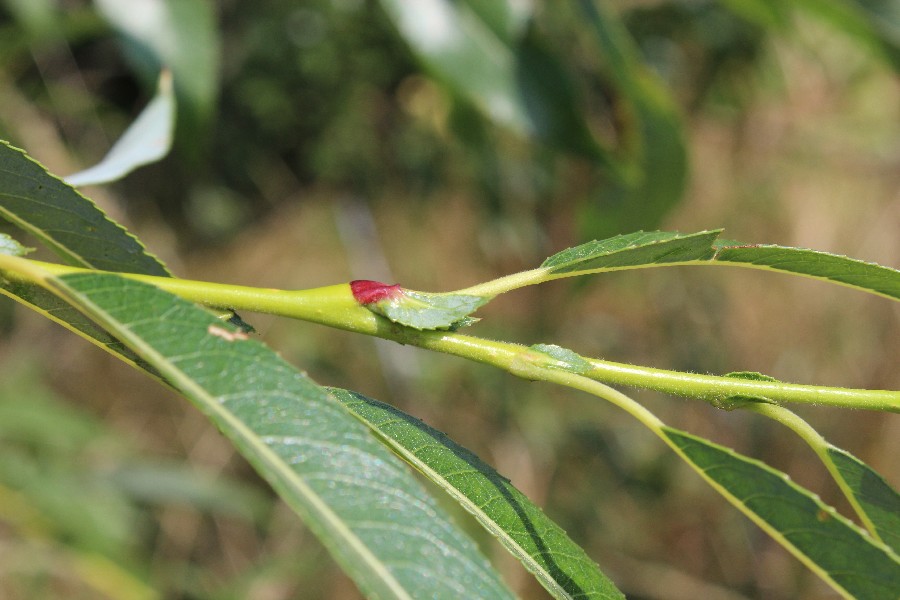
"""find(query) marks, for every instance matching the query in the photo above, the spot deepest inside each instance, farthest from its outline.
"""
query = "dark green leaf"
(359, 499)
(876, 498)
(64, 220)
(828, 543)
(558, 563)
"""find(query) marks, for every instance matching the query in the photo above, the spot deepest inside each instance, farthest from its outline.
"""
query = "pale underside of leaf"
(421, 310)
(147, 140)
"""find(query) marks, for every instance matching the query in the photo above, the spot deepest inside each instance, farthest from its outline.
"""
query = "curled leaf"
(11, 247)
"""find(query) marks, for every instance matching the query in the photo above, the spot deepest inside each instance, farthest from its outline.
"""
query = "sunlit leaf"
(829, 544)
(560, 565)
(67, 222)
(362, 503)
(147, 140)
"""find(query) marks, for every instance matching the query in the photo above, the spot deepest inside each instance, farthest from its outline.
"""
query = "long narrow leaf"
(829, 544)
(865, 276)
(559, 564)
(362, 503)
(661, 248)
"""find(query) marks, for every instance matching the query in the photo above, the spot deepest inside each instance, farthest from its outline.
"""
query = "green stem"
(335, 306)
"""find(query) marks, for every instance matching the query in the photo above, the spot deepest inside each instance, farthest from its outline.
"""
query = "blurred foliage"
(328, 152)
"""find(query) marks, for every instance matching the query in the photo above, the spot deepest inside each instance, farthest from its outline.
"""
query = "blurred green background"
(319, 142)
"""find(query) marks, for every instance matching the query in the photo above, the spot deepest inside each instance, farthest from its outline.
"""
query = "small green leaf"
(422, 310)
(64, 220)
(11, 247)
(361, 501)
(633, 249)
(563, 358)
(559, 564)
(877, 499)
(147, 140)
(736, 401)
(833, 547)
(750, 375)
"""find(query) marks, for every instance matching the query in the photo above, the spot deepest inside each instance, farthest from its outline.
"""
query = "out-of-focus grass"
(330, 125)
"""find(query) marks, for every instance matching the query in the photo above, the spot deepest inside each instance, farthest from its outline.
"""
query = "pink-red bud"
(367, 291)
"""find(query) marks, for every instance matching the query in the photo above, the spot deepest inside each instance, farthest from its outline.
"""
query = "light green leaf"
(876, 498)
(559, 564)
(633, 249)
(378, 523)
(147, 140)
(564, 359)
(422, 310)
(833, 547)
(67, 222)
(490, 58)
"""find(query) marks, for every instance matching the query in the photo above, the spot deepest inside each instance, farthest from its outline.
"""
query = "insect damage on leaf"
(228, 336)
